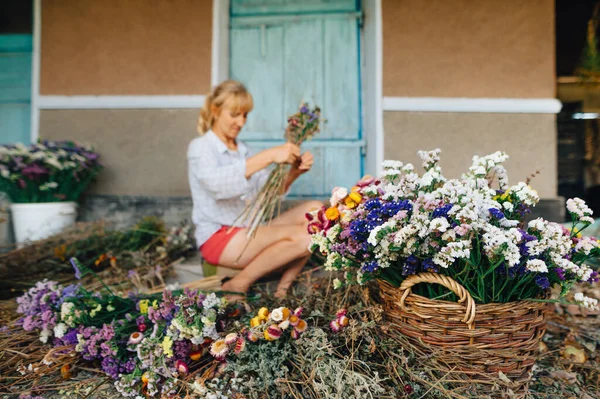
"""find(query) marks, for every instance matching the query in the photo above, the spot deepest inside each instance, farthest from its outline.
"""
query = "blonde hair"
(219, 95)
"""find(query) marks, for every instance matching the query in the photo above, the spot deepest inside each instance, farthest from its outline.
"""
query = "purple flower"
(560, 273)
(76, 265)
(34, 171)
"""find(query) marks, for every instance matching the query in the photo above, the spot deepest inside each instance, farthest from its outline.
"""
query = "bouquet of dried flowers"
(302, 126)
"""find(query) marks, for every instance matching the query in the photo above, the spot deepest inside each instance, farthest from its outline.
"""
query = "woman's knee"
(302, 240)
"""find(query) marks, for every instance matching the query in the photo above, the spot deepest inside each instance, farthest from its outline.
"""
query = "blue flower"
(442, 211)
(370, 266)
(496, 213)
(410, 266)
(373, 203)
(542, 282)
(429, 266)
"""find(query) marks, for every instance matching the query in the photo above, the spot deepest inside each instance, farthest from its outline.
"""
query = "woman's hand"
(286, 153)
(305, 163)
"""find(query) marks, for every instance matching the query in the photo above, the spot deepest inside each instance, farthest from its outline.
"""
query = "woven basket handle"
(447, 282)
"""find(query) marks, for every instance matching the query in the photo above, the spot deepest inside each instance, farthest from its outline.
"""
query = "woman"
(224, 175)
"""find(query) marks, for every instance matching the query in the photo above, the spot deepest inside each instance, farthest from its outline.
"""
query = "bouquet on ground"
(147, 344)
(401, 224)
(302, 126)
(47, 171)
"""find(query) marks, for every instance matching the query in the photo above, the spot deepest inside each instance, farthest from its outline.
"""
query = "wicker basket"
(471, 341)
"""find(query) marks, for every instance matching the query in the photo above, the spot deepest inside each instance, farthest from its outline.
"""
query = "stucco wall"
(529, 140)
(468, 48)
(132, 47)
(144, 151)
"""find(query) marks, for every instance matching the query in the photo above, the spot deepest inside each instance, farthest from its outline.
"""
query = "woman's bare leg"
(289, 275)
(284, 243)
(272, 258)
(296, 215)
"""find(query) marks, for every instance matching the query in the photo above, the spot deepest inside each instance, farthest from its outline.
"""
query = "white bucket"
(37, 221)
(4, 229)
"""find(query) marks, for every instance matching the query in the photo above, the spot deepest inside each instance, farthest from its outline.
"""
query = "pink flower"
(335, 326)
(240, 345)
(343, 321)
(341, 312)
(366, 181)
(135, 338)
(181, 367)
(231, 338)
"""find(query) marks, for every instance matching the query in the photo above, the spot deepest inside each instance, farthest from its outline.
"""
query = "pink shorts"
(213, 248)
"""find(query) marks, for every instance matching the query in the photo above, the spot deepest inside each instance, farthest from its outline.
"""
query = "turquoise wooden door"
(291, 51)
(15, 88)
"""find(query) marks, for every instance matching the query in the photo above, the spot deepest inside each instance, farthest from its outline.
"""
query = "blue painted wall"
(15, 88)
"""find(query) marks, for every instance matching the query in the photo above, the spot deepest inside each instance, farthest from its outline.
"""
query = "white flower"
(430, 158)
(537, 265)
(586, 302)
(333, 261)
(508, 206)
(59, 330)
(337, 283)
(338, 194)
(277, 314)
(439, 225)
(578, 207)
(44, 335)
(390, 164)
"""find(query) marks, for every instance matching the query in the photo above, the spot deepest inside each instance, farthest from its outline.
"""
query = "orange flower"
(196, 355)
(332, 213)
(355, 189)
(100, 259)
(65, 372)
(60, 252)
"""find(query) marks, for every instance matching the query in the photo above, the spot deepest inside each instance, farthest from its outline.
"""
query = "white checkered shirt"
(218, 183)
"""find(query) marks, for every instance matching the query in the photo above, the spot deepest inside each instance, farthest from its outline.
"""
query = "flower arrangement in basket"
(47, 171)
(302, 126)
(486, 271)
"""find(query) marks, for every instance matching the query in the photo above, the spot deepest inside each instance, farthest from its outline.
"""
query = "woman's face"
(230, 120)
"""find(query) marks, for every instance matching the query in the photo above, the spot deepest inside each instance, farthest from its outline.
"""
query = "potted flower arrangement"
(486, 272)
(44, 181)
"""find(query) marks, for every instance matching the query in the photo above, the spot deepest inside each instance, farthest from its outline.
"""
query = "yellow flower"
(352, 200)
(155, 304)
(263, 313)
(332, 213)
(286, 313)
(167, 346)
(143, 306)
(355, 189)
(576, 231)
(255, 321)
